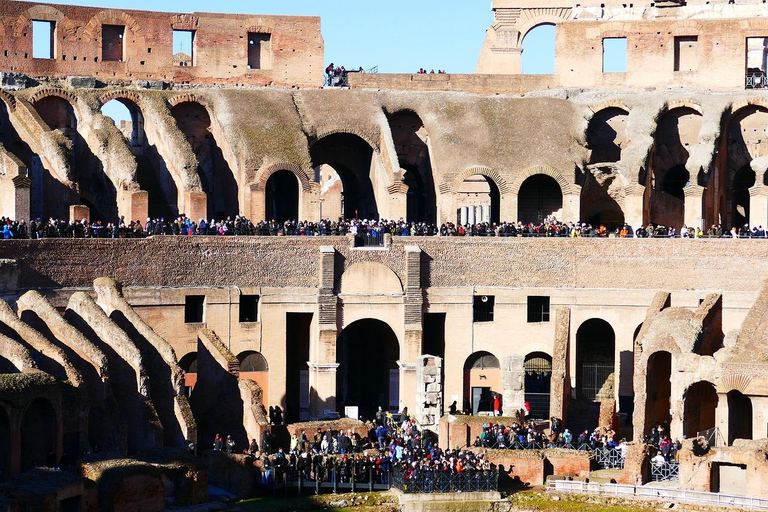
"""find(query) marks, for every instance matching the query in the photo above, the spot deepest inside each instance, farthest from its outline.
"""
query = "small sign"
(352, 411)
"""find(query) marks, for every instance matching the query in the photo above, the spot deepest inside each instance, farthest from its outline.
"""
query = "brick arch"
(481, 170)
(112, 17)
(542, 19)
(748, 102)
(738, 383)
(260, 27)
(609, 104)
(687, 28)
(264, 173)
(615, 29)
(188, 97)
(9, 100)
(53, 91)
(112, 95)
(565, 186)
(666, 344)
(43, 13)
(350, 131)
(673, 104)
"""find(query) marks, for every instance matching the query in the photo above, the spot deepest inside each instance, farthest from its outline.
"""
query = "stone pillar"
(560, 381)
(410, 351)
(429, 391)
(322, 350)
(512, 384)
(693, 206)
(505, 58)
(572, 206)
(758, 206)
(133, 204)
(398, 202)
(470, 215)
(633, 205)
(464, 214)
(79, 212)
(479, 214)
(721, 414)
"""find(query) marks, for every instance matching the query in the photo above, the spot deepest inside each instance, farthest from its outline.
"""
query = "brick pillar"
(512, 384)
(572, 205)
(560, 381)
(694, 210)
(398, 201)
(322, 350)
(195, 205)
(79, 212)
(429, 391)
(410, 352)
(132, 204)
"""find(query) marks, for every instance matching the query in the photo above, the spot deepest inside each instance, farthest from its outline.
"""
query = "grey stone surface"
(14, 81)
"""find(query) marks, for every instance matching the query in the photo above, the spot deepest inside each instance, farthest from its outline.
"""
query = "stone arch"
(39, 434)
(738, 383)
(540, 18)
(120, 94)
(699, 404)
(9, 100)
(687, 28)
(481, 170)
(264, 172)
(481, 380)
(53, 91)
(351, 131)
(565, 185)
(43, 13)
(370, 278)
(476, 202)
(608, 104)
(671, 105)
(747, 102)
(189, 97)
(112, 17)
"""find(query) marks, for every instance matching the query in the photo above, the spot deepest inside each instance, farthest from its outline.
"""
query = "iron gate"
(592, 378)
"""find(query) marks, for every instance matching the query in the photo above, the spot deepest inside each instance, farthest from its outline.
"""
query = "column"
(322, 350)
(470, 215)
(322, 388)
(758, 205)
(464, 214)
(479, 214)
(633, 205)
(572, 205)
(560, 379)
(429, 391)
(410, 351)
(693, 206)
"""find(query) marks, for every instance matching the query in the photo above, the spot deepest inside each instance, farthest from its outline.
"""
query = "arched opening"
(598, 206)
(539, 198)
(331, 192)
(595, 357)
(188, 363)
(658, 386)
(368, 375)
(676, 132)
(217, 178)
(742, 181)
(699, 411)
(538, 375)
(538, 57)
(254, 366)
(151, 170)
(352, 158)
(478, 200)
(5, 445)
(482, 379)
(411, 143)
(38, 435)
(607, 135)
(282, 196)
(739, 416)
(96, 190)
(746, 141)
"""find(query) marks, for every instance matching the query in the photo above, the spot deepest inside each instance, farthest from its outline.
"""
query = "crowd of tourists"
(241, 226)
(423, 71)
(667, 450)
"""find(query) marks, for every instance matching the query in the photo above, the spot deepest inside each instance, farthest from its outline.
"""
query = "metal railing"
(713, 437)
(755, 81)
(661, 493)
(665, 472)
(369, 239)
(444, 481)
(609, 458)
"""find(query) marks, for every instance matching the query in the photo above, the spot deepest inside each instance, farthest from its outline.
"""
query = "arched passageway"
(94, 188)
(595, 357)
(38, 435)
(282, 196)
(538, 375)
(658, 385)
(254, 366)
(411, 143)
(217, 178)
(478, 200)
(368, 375)
(739, 416)
(151, 170)
(352, 159)
(482, 380)
(539, 198)
(699, 411)
(742, 181)
(607, 135)
(188, 363)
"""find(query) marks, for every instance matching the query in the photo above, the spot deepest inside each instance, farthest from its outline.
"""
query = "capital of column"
(323, 367)
(408, 367)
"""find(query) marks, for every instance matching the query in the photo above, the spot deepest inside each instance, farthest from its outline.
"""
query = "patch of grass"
(360, 502)
(576, 503)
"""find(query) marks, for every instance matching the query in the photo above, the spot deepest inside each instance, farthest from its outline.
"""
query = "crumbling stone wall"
(429, 391)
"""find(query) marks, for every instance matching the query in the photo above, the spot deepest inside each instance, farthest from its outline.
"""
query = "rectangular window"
(112, 43)
(249, 308)
(183, 41)
(43, 38)
(614, 55)
(259, 50)
(686, 54)
(538, 309)
(194, 305)
(482, 310)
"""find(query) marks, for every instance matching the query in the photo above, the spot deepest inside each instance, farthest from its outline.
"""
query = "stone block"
(82, 82)
(155, 85)
(14, 81)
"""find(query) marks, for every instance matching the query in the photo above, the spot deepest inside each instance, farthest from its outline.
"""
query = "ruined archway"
(38, 435)
(254, 366)
(94, 188)
(482, 378)
(152, 173)
(607, 135)
(658, 386)
(352, 158)
(539, 198)
(699, 411)
(368, 376)
(538, 50)
(217, 178)
(282, 194)
(478, 199)
(743, 179)
(676, 132)
(412, 146)
(595, 357)
(188, 363)
(739, 416)
(538, 375)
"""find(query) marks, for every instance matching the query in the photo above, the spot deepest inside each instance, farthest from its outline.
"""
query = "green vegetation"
(361, 502)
